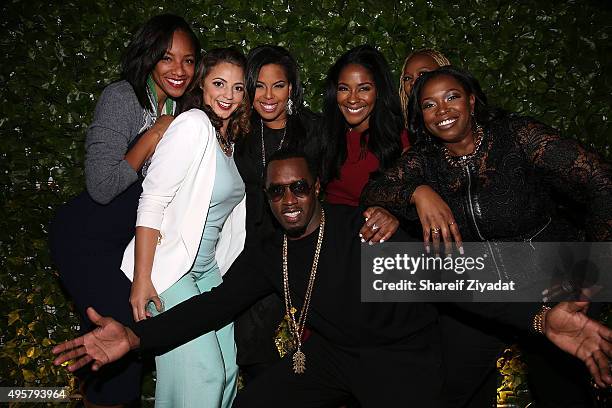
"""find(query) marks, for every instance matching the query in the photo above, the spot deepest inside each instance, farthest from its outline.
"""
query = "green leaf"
(13, 317)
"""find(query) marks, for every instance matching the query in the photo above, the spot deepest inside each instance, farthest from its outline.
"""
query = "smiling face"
(272, 92)
(415, 67)
(299, 216)
(223, 89)
(356, 96)
(173, 73)
(447, 109)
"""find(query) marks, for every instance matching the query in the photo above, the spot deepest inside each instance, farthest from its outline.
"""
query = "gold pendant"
(284, 338)
(299, 362)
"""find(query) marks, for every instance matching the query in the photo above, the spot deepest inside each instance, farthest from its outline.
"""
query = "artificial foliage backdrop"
(548, 59)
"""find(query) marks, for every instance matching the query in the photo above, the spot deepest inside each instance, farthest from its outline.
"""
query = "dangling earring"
(289, 107)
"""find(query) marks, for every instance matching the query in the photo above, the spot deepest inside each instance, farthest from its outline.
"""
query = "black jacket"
(511, 189)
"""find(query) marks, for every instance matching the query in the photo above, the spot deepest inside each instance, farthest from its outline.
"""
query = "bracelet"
(538, 320)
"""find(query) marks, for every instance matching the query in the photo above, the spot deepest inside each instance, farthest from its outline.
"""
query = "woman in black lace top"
(498, 176)
(497, 171)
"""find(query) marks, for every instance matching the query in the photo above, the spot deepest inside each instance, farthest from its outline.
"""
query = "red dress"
(355, 171)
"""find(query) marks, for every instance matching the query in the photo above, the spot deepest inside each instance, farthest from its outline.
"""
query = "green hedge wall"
(550, 60)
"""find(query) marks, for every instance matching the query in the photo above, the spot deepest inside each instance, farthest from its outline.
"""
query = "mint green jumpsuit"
(203, 372)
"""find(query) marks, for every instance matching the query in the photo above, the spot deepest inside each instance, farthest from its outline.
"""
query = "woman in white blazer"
(190, 228)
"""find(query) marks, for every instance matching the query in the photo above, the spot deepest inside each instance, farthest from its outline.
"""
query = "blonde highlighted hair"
(437, 56)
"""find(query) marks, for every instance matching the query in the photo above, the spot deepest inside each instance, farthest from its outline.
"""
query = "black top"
(302, 132)
(335, 313)
(509, 190)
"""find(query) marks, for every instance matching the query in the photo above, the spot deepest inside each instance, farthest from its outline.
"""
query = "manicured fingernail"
(367, 218)
(545, 292)
(427, 248)
(362, 240)
(545, 299)
(461, 250)
(360, 235)
(382, 240)
(370, 243)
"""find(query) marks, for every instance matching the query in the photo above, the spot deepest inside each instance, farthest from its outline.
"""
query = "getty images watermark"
(487, 272)
(412, 264)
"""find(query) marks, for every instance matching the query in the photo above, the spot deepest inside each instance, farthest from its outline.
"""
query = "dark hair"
(482, 114)
(239, 124)
(385, 120)
(273, 54)
(296, 131)
(292, 153)
(148, 47)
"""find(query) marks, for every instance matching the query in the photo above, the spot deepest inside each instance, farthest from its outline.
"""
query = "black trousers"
(87, 241)
(470, 357)
(471, 347)
(409, 374)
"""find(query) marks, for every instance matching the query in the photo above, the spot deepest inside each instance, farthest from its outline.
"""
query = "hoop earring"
(290, 107)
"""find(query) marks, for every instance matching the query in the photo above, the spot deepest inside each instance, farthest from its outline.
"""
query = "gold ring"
(451, 223)
(435, 230)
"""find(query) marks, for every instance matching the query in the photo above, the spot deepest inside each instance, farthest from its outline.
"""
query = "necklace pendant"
(299, 362)
(292, 311)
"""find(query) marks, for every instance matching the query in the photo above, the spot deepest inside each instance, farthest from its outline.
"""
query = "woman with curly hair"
(190, 227)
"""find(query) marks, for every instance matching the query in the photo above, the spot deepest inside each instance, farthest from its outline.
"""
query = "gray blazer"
(117, 121)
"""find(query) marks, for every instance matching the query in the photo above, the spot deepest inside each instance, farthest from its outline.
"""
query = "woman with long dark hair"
(363, 132)
(279, 119)
(89, 233)
(499, 174)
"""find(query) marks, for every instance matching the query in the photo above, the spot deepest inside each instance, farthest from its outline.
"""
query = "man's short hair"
(289, 153)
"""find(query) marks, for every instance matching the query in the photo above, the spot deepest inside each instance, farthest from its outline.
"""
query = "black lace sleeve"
(573, 171)
(393, 188)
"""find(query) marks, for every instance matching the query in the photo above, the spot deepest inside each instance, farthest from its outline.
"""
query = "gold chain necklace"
(297, 327)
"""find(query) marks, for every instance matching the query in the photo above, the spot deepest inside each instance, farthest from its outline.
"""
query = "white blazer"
(176, 194)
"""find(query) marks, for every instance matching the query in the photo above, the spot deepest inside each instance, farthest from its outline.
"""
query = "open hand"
(568, 327)
(106, 343)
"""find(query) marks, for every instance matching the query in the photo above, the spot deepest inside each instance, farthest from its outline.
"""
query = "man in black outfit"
(381, 354)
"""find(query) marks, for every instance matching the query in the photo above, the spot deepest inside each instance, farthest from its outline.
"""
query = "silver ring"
(375, 227)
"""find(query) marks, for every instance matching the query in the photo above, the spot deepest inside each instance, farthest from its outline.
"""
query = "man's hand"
(568, 327)
(106, 343)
